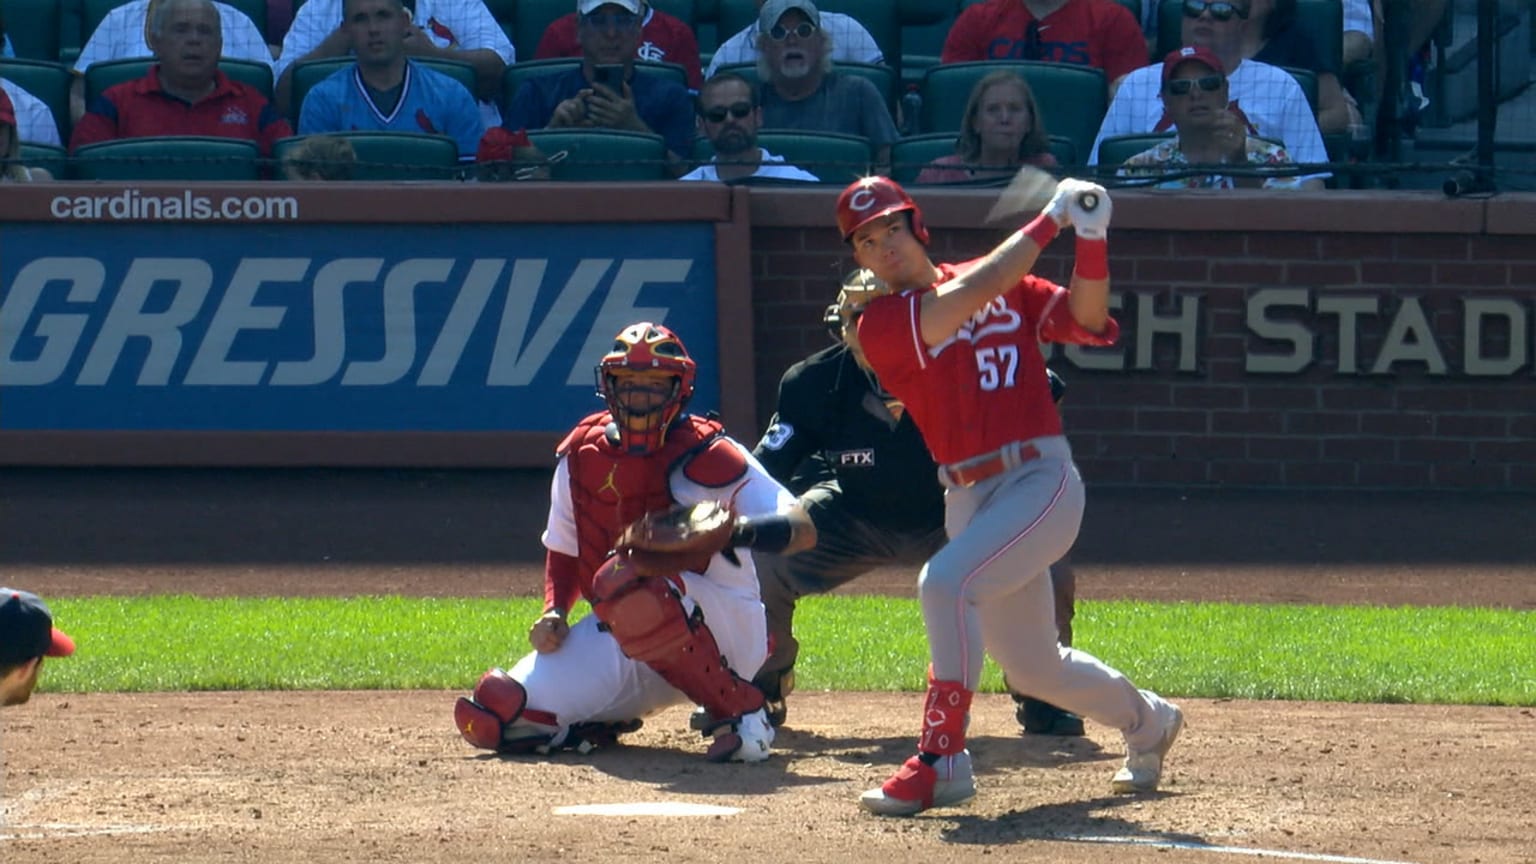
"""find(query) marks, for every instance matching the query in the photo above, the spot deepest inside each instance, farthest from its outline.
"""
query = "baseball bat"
(1031, 189)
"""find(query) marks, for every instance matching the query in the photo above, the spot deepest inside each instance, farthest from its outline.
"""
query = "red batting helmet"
(870, 198)
(646, 350)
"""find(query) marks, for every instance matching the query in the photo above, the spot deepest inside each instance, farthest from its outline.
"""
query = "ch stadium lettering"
(1285, 329)
(59, 318)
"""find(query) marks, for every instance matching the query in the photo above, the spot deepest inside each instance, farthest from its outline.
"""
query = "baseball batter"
(696, 635)
(958, 344)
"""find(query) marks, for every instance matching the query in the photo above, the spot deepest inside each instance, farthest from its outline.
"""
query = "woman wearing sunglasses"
(1195, 94)
(1002, 130)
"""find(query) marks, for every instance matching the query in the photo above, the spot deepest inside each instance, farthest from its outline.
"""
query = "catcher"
(865, 478)
(676, 615)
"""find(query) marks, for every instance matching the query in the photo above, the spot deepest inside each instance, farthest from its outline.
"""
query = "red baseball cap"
(7, 110)
(1195, 53)
(26, 629)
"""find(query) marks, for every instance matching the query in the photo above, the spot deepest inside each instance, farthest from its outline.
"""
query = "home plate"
(647, 808)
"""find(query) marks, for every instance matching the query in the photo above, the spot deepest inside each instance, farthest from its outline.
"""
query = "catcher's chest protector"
(610, 489)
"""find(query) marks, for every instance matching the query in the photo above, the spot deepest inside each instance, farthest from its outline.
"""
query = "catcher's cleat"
(1043, 718)
(917, 786)
(1143, 769)
(748, 739)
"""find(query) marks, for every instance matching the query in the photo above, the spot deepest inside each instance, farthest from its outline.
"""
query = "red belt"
(985, 467)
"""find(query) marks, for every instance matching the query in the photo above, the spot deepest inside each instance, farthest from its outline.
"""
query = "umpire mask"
(842, 317)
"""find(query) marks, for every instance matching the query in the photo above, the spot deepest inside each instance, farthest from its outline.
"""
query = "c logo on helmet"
(861, 200)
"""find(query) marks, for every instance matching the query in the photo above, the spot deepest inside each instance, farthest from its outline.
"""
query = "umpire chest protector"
(611, 488)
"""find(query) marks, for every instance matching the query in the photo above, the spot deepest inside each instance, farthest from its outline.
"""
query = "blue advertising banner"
(336, 327)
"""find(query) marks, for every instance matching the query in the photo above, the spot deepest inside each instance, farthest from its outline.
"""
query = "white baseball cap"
(773, 10)
(587, 7)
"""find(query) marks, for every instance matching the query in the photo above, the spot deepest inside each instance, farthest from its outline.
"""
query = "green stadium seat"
(113, 72)
(602, 154)
(96, 10)
(393, 155)
(1114, 150)
(519, 72)
(191, 157)
(49, 82)
(684, 10)
(311, 72)
(505, 13)
(833, 158)
(1072, 98)
(912, 154)
(34, 27)
(53, 159)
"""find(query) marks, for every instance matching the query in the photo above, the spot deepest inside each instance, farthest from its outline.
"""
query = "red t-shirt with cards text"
(663, 38)
(986, 385)
(1099, 33)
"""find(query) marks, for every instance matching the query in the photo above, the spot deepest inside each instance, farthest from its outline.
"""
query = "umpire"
(858, 463)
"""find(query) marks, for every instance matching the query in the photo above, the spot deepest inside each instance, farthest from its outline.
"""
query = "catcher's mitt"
(667, 542)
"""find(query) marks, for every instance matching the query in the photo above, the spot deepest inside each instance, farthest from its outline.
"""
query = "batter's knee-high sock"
(945, 712)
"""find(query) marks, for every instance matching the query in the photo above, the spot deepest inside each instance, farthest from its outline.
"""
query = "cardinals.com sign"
(347, 328)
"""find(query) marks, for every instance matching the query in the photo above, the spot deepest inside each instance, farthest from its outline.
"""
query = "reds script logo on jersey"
(993, 319)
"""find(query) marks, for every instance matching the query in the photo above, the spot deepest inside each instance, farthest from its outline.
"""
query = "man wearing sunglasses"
(851, 43)
(801, 89)
(609, 32)
(729, 117)
(1265, 98)
(1098, 33)
(1195, 96)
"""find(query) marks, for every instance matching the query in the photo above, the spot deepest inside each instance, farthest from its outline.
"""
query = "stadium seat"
(191, 157)
(113, 72)
(54, 159)
(683, 10)
(922, 43)
(833, 158)
(96, 10)
(519, 72)
(911, 155)
(1114, 150)
(49, 82)
(311, 72)
(34, 27)
(1072, 98)
(505, 13)
(602, 154)
(879, 17)
(393, 155)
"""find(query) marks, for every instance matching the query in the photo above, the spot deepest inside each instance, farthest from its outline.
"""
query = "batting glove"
(1057, 208)
(1091, 223)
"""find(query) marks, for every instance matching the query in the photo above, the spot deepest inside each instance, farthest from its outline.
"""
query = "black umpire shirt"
(832, 420)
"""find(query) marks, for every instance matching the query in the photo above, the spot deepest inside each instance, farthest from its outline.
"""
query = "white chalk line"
(59, 830)
(1229, 850)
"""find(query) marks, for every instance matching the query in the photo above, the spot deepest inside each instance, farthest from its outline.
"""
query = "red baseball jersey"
(663, 38)
(986, 385)
(1099, 33)
(140, 109)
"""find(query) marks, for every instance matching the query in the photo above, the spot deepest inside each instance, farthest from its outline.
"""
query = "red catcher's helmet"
(869, 198)
(645, 353)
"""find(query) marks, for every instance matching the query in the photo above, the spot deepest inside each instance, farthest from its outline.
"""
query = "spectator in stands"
(609, 32)
(851, 42)
(1000, 132)
(1266, 98)
(1098, 33)
(506, 155)
(1360, 26)
(801, 90)
(1194, 90)
(385, 89)
(6, 49)
(184, 93)
(1271, 36)
(729, 116)
(10, 148)
(27, 636)
(320, 157)
(461, 30)
(279, 19)
(35, 123)
(663, 39)
(124, 34)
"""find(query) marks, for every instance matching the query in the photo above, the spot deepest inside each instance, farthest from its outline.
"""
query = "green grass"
(1447, 655)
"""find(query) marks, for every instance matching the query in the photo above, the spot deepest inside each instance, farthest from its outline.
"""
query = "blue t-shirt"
(430, 102)
(662, 104)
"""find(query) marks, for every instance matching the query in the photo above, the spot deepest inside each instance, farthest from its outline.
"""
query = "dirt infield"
(278, 777)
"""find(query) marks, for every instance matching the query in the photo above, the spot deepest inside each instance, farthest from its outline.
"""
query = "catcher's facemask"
(841, 318)
(647, 379)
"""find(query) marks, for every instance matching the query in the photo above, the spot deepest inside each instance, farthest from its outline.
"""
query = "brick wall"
(1352, 341)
